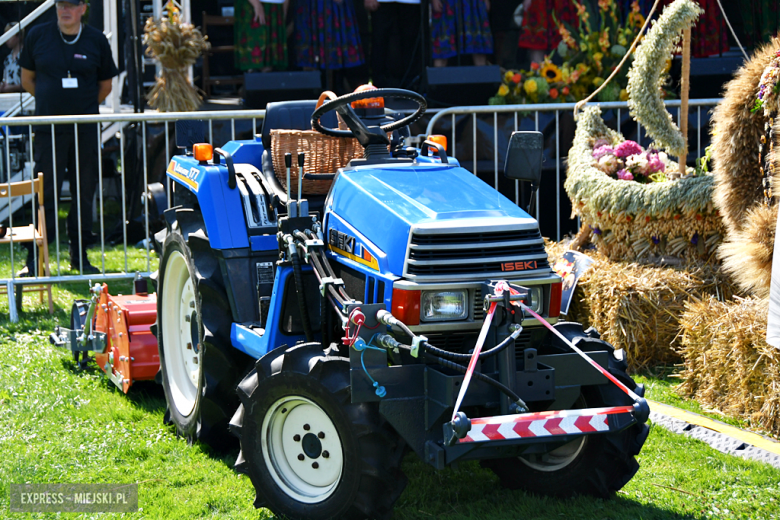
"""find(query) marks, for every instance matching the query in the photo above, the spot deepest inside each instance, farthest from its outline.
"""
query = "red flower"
(516, 78)
(565, 91)
(534, 66)
(256, 52)
(554, 93)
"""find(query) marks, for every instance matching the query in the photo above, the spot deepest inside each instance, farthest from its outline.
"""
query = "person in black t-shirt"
(68, 67)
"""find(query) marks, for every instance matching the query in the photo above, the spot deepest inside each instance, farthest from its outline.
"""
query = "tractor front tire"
(200, 368)
(309, 451)
(597, 465)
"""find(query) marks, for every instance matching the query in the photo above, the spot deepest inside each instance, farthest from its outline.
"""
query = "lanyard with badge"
(70, 82)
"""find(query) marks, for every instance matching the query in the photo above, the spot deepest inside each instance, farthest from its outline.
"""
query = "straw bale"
(736, 135)
(737, 131)
(176, 45)
(727, 363)
(638, 306)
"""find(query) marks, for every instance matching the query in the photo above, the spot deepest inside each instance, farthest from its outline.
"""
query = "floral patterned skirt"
(259, 46)
(539, 31)
(326, 35)
(461, 25)
(710, 35)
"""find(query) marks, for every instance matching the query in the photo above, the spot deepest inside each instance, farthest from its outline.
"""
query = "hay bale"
(737, 133)
(727, 363)
(638, 307)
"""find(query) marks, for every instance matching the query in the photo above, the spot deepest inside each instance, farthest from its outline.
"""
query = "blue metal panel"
(247, 340)
(383, 202)
(263, 243)
(220, 206)
(246, 152)
(434, 159)
(355, 260)
(273, 337)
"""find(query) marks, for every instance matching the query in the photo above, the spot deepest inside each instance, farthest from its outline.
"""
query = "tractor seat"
(295, 116)
(292, 115)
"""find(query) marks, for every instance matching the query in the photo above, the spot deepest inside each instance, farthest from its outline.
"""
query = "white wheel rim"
(558, 458)
(183, 372)
(302, 449)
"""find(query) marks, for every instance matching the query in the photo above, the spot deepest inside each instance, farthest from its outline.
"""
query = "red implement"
(131, 351)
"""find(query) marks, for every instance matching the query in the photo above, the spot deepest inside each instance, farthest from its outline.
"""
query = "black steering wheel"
(357, 128)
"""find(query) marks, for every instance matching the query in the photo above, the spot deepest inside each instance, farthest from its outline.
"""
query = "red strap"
(474, 358)
(605, 373)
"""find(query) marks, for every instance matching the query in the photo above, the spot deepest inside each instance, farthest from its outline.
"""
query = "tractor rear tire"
(200, 368)
(309, 451)
(597, 465)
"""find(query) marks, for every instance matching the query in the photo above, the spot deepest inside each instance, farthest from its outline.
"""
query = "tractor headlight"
(444, 306)
(535, 299)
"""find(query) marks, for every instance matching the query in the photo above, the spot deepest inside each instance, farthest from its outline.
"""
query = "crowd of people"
(381, 39)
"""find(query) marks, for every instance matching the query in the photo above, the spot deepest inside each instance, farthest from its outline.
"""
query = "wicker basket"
(630, 220)
(324, 154)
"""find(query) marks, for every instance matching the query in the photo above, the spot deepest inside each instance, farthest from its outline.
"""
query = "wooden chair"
(35, 232)
(208, 79)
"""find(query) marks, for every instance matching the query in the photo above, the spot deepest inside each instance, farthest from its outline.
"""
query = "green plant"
(589, 53)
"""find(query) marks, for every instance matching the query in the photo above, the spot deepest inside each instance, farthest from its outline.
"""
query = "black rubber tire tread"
(222, 365)
(371, 481)
(606, 462)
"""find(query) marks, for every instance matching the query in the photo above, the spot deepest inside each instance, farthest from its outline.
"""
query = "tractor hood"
(384, 206)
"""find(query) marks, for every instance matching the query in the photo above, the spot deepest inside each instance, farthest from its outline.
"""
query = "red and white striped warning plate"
(542, 424)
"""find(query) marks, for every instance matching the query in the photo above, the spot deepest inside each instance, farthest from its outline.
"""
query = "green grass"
(661, 385)
(60, 424)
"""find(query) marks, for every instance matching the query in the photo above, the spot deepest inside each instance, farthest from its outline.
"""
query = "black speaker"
(708, 75)
(458, 86)
(266, 87)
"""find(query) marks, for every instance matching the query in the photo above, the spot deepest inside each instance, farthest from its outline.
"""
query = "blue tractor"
(412, 307)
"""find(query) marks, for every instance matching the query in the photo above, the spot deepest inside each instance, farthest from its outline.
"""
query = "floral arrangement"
(628, 162)
(545, 83)
(649, 216)
(589, 52)
(645, 78)
(768, 88)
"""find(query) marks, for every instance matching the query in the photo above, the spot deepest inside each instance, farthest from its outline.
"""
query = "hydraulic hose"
(298, 275)
(454, 356)
(330, 271)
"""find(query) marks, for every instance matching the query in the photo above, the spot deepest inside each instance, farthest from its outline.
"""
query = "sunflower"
(636, 19)
(551, 73)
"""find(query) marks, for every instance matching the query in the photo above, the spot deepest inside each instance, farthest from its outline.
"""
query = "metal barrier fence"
(116, 126)
(456, 123)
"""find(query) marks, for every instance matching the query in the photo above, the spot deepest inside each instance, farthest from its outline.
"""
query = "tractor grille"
(479, 309)
(470, 255)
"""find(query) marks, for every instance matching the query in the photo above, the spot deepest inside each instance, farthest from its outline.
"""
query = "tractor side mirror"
(524, 157)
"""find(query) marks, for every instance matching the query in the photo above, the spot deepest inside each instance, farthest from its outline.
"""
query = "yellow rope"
(684, 88)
